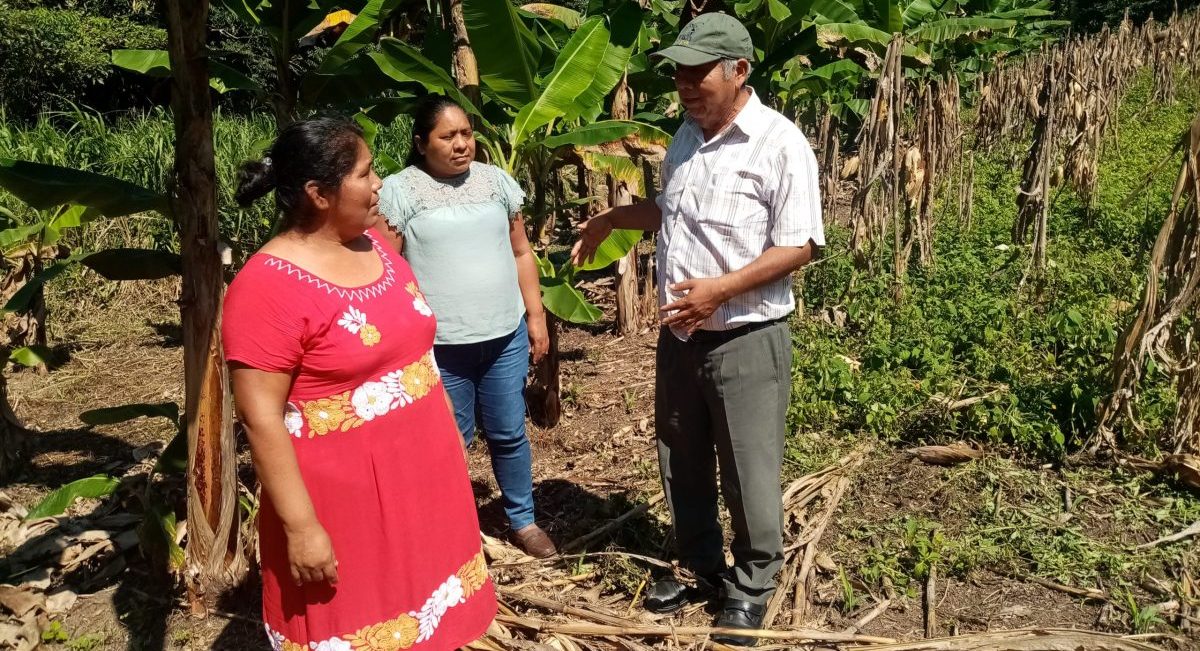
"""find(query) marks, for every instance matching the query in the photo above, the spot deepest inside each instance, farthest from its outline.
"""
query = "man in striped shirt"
(739, 212)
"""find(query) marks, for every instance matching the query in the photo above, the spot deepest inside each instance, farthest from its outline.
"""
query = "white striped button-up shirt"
(726, 201)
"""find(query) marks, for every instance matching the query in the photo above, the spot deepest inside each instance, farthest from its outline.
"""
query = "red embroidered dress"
(379, 454)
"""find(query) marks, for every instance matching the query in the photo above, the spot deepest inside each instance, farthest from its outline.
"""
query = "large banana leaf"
(593, 134)
(888, 16)
(18, 236)
(22, 298)
(566, 303)
(60, 500)
(157, 63)
(801, 42)
(359, 34)
(622, 168)
(949, 29)
(31, 356)
(613, 248)
(45, 186)
(858, 34)
(916, 12)
(505, 48)
(839, 34)
(112, 264)
(125, 413)
(573, 74)
(834, 11)
(404, 63)
(69, 217)
(570, 18)
(285, 20)
(358, 84)
(134, 264)
(625, 25)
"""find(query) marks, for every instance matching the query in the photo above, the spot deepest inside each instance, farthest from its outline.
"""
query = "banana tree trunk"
(628, 317)
(466, 70)
(628, 313)
(215, 560)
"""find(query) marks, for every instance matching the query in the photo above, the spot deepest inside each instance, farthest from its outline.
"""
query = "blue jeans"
(486, 383)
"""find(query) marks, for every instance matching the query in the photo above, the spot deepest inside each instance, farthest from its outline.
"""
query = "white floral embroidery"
(449, 594)
(371, 399)
(400, 397)
(293, 420)
(275, 637)
(332, 644)
(353, 320)
(421, 306)
(455, 590)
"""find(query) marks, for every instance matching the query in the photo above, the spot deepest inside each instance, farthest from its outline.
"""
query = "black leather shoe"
(739, 614)
(668, 594)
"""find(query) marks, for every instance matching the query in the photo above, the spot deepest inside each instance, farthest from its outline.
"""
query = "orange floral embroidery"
(330, 414)
(473, 575)
(406, 629)
(350, 409)
(392, 635)
(354, 320)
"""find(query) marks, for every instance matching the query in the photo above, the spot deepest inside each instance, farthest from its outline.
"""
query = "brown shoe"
(535, 542)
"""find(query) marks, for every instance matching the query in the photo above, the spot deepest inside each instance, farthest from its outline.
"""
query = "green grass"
(1013, 520)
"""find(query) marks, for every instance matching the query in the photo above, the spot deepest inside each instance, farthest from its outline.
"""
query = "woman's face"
(450, 147)
(356, 203)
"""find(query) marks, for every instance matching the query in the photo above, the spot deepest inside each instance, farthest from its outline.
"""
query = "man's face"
(705, 92)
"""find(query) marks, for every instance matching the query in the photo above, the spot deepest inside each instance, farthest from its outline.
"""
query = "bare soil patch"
(978, 521)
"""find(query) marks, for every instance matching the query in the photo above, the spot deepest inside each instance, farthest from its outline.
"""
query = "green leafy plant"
(69, 52)
(849, 596)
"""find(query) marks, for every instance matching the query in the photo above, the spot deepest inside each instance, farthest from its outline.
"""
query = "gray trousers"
(725, 402)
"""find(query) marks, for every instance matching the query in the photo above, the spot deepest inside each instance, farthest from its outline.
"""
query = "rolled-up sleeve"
(796, 202)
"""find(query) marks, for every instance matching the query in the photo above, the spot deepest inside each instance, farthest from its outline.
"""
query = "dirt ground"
(598, 464)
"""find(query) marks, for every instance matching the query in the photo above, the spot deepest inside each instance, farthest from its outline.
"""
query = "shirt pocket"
(671, 199)
(735, 198)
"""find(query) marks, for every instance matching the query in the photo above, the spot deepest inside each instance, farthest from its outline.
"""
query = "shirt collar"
(747, 120)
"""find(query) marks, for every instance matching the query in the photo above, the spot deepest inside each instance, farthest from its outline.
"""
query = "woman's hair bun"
(255, 180)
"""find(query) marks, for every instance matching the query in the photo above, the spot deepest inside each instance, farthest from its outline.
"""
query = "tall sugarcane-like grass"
(139, 147)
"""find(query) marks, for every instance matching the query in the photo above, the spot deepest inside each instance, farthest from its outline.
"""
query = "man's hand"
(539, 336)
(704, 296)
(592, 233)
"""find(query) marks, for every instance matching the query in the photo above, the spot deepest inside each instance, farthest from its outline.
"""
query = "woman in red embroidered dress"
(368, 533)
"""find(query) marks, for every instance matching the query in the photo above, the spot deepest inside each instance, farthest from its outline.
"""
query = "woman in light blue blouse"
(458, 223)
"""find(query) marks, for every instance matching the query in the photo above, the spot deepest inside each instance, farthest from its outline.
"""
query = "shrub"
(47, 55)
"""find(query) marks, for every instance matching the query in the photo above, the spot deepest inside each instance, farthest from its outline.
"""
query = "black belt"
(722, 336)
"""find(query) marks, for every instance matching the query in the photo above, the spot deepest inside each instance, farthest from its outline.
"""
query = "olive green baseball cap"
(707, 38)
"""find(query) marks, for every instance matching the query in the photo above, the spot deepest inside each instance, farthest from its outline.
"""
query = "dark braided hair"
(322, 149)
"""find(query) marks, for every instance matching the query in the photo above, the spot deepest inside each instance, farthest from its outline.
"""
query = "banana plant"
(342, 78)
(60, 199)
(157, 528)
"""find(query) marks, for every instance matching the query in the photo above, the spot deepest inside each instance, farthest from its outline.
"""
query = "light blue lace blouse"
(456, 240)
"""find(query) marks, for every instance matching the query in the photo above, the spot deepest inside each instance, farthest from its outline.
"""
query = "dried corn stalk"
(829, 145)
(1032, 205)
(1167, 323)
(927, 163)
(877, 198)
